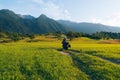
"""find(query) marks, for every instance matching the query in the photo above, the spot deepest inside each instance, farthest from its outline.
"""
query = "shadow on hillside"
(60, 49)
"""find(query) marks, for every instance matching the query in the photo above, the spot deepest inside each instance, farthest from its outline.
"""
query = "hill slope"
(89, 27)
(11, 22)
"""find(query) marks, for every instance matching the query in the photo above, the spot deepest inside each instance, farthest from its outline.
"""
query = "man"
(65, 44)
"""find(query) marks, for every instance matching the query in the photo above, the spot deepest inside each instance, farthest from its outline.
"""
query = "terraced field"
(42, 60)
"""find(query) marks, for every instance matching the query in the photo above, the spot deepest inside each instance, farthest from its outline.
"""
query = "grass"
(106, 51)
(30, 61)
(96, 68)
(40, 59)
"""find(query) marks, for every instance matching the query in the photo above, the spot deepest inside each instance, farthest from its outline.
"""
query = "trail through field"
(65, 53)
(110, 60)
(68, 52)
(94, 67)
(107, 57)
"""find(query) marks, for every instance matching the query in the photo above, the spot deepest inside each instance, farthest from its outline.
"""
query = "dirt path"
(68, 52)
(65, 53)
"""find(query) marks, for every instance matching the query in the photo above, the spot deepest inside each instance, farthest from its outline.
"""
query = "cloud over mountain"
(37, 7)
(113, 20)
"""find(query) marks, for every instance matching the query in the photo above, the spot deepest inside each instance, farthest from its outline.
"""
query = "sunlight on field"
(39, 59)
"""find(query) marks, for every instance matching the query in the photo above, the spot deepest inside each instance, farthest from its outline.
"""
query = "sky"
(95, 11)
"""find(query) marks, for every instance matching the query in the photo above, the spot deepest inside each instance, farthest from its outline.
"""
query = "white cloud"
(113, 20)
(55, 11)
(50, 9)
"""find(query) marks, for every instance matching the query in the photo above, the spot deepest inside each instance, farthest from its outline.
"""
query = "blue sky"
(97, 11)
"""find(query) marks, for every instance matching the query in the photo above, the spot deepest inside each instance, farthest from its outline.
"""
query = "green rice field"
(41, 59)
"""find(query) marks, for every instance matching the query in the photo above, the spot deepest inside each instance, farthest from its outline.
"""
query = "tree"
(70, 35)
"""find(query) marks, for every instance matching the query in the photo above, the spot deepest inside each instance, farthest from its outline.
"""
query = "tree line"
(16, 36)
(98, 35)
(71, 35)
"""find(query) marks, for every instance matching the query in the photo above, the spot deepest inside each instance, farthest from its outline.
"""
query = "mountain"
(88, 27)
(50, 25)
(43, 24)
(9, 21)
(12, 22)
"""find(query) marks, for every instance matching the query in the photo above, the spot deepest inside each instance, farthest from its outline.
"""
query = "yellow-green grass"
(40, 60)
(109, 52)
(95, 67)
(36, 61)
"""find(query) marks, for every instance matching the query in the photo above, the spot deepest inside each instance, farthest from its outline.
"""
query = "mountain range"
(17, 23)
(11, 22)
(89, 27)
